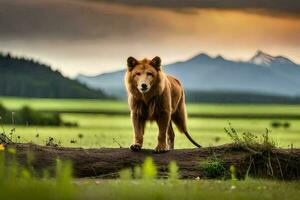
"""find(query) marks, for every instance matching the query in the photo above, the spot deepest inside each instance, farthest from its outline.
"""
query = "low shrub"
(28, 116)
(213, 168)
(249, 140)
(277, 124)
(286, 125)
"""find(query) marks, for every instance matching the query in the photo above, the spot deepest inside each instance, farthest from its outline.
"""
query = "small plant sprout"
(37, 133)
(12, 151)
(11, 133)
(149, 169)
(13, 118)
(173, 170)
(125, 174)
(4, 139)
(64, 175)
(233, 173)
(3, 131)
(232, 133)
(73, 141)
(233, 177)
(50, 142)
(13, 130)
(217, 139)
(80, 136)
(137, 172)
(25, 174)
(115, 141)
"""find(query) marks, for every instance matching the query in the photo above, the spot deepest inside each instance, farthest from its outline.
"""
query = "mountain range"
(263, 75)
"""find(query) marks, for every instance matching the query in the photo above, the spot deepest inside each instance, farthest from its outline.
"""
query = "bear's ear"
(156, 62)
(131, 63)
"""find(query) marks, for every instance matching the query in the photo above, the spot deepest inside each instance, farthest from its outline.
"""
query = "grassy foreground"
(21, 183)
(99, 130)
(197, 189)
(155, 190)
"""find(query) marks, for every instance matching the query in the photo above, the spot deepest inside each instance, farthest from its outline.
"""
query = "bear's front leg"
(139, 127)
(163, 122)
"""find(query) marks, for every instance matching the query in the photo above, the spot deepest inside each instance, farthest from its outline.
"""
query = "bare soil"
(275, 163)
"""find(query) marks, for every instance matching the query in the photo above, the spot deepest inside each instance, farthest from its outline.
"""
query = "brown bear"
(155, 96)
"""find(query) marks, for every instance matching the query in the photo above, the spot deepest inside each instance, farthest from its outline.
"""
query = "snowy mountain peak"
(261, 58)
(283, 60)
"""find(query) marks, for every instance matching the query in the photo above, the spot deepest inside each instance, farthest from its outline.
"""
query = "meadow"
(101, 106)
(97, 128)
(107, 124)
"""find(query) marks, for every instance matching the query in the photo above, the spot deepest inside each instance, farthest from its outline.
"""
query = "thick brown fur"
(162, 101)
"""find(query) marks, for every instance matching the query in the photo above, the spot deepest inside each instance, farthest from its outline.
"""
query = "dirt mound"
(277, 163)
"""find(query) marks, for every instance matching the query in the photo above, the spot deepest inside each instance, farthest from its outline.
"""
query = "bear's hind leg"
(170, 137)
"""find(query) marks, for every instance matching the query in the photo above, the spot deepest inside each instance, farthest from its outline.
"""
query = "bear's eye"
(149, 74)
(138, 74)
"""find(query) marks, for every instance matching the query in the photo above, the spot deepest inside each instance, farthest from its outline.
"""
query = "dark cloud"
(92, 19)
(96, 35)
(270, 7)
(66, 19)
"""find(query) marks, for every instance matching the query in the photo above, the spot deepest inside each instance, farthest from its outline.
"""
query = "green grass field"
(99, 130)
(121, 106)
(102, 130)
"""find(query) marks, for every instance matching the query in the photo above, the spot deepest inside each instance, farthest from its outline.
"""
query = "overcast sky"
(93, 36)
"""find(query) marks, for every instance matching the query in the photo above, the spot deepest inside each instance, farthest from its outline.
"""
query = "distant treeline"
(23, 77)
(28, 116)
(238, 97)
